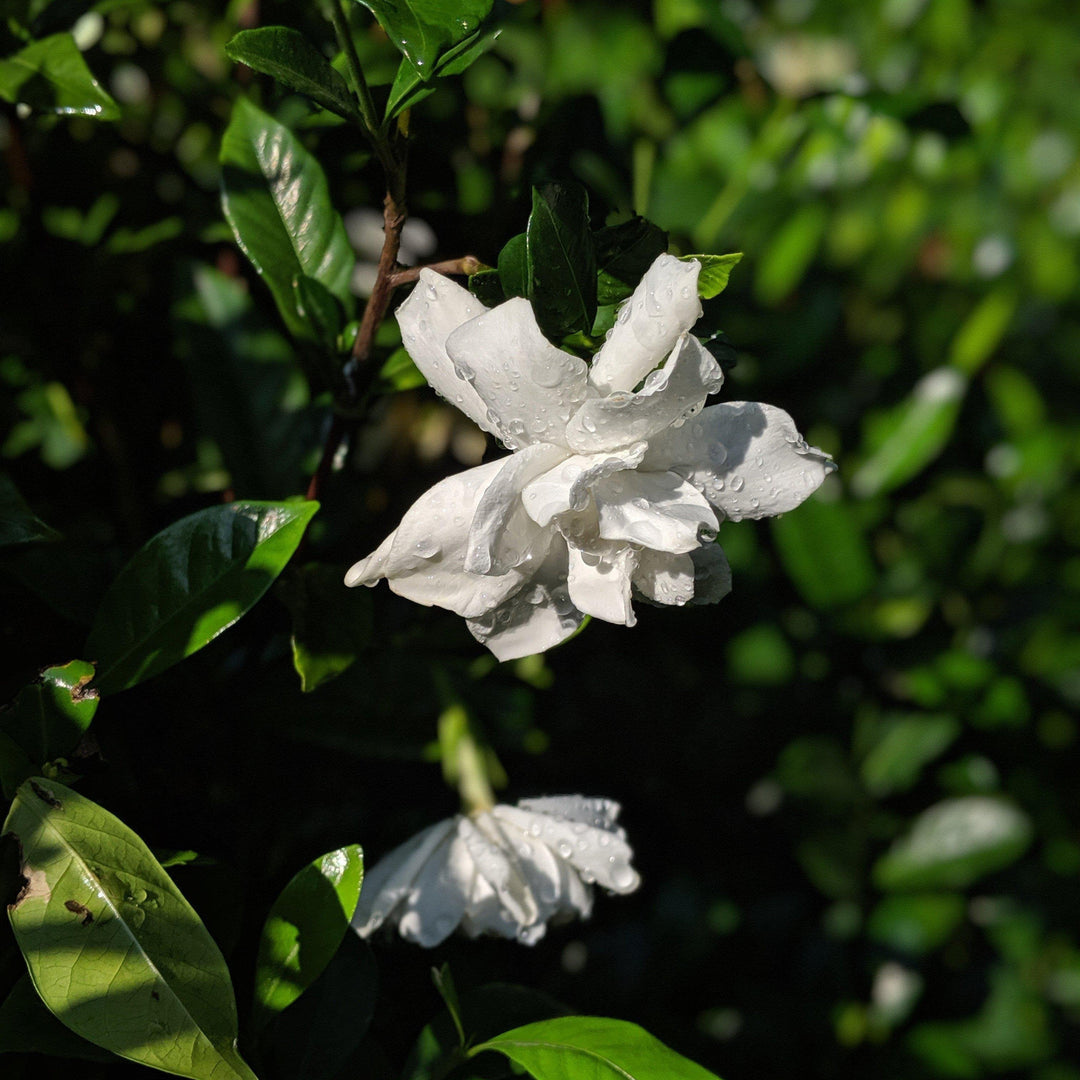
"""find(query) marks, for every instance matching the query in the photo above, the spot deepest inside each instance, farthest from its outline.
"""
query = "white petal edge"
(664, 578)
(599, 584)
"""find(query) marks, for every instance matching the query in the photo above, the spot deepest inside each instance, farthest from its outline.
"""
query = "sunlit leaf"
(49, 716)
(188, 584)
(592, 1048)
(305, 927)
(715, 272)
(409, 87)
(113, 949)
(51, 75)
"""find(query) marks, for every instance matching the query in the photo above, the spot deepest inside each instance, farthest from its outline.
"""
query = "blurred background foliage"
(851, 787)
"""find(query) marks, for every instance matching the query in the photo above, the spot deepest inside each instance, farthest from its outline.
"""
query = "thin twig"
(466, 266)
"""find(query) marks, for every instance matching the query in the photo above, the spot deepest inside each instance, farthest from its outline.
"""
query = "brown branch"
(466, 266)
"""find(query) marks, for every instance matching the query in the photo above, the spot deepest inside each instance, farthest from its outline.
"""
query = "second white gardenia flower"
(618, 478)
(507, 871)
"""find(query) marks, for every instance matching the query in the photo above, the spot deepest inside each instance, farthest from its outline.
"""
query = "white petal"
(599, 813)
(658, 510)
(600, 584)
(664, 304)
(498, 868)
(537, 617)
(430, 313)
(426, 558)
(712, 575)
(502, 534)
(529, 387)
(671, 393)
(486, 915)
(664, 578)
(389, 881)
(437, 899)
(535, 861)
(567, 486)
(748, 458)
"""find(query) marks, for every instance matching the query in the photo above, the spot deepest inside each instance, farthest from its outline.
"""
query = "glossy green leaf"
(27, 1027)
(513, 267)
(623, 253)
(305, 927)
(561, 260)
(18, 523)
(276, 199)
(188, 584)
(904, 746)
(425, 29)
(289, 57)
(409, 87)
(592, 1048)
(332, 625)
(51, 75)
(715, 272)
(918, 430)
(486, 286)
(318, 1034)
(825, 553)
(954, 843)
(48, 717)
(319, 308)
(113, 949)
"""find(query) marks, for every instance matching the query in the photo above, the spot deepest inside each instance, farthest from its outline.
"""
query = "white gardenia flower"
(508, 871)
(608, 489)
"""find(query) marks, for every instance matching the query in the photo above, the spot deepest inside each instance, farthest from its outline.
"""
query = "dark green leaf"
(562, 261)
(319, 308)
(27, 1027)
(188, 584)
(49, 717)
(409, 88)
(276, 199)
(486, 286)
(289, 57)
(513, 267)
(15, 765)
(715, 271)
(400, 372)
(51, 75)
(623, 253)
(18, 524)
(98, 921)
(317, 1035)
(425, 29)
(592, 1048)
(916, 924)
(305, 927)
(903, 747)
(332, 625)
(954, 843)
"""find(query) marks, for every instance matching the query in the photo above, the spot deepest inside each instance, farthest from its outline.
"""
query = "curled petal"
(671, 393)
(712, 574)
(436, 901)
(748, 459)
(664, 578)
(498, 866)
(664, 304)
(425, 561)
(658, 510)
(502, 534)
(567, 486)
(529, 387)
(435, 308)
(599, 584)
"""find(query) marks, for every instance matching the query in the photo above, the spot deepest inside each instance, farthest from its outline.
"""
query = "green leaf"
(425, 29)
(715, 271)
(319, 308)
(904, 746)
(789, 255)
(305, 927)
(916, 924)
(409, 88)
(562, 261)
(277, 201)
(332, 625)
(15, 765)
(918, 430)
(400, 372)
(48, 717)
(592, 1048)
(513, 267)
(27, 1027)
(289, 57)
(188, 584)
(113, 949)
(18, 523)
(317, 1035)
(51, 75)
(486, 286)
(825, 552)
(954, 843)
(623, 253)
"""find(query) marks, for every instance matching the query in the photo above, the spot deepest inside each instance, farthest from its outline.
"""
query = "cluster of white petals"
(619, 477)
(507, 871)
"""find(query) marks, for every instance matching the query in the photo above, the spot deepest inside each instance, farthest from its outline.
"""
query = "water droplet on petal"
(737, 483)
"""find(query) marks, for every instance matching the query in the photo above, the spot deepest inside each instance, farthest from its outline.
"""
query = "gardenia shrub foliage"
(662, 721)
